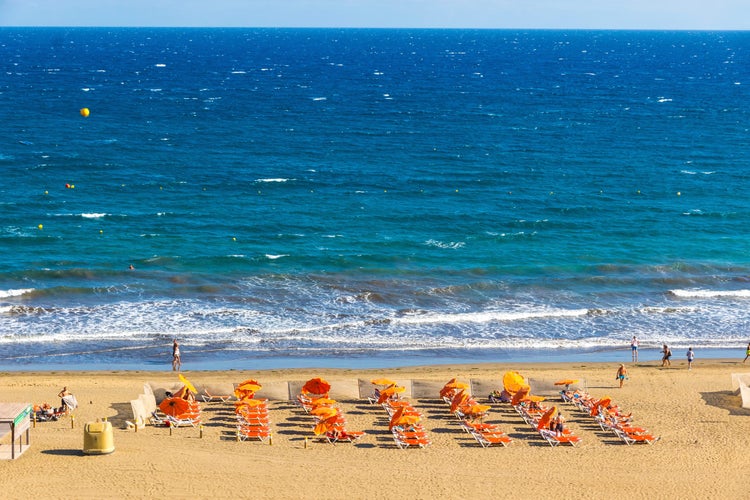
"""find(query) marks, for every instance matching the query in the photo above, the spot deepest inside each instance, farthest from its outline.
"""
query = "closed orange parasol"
(520, 395)
(546, 417)
(458, 400)
(322, 427)
(513, 381)
(174, 406)
(316, 386)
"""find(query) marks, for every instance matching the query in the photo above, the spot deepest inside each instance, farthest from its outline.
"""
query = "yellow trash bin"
(97, 438)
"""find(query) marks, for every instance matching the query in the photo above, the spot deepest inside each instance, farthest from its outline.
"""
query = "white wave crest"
(14, 293)
(708, 294)
(274, 257)
(489, 316)
(93, 215)
(279, 179)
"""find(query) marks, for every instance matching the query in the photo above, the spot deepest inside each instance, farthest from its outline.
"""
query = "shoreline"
(382, 360)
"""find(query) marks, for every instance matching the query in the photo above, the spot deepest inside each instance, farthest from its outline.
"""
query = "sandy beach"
(702, 452)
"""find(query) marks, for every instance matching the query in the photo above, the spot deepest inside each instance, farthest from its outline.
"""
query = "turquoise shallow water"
(370, 196)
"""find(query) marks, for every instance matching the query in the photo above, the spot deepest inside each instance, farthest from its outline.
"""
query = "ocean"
(370, 197)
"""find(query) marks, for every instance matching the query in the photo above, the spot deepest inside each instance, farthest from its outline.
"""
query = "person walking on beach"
(666, 354)
(634, 348)
(622, 374)
(747, 352)
(176, 361)
(690, 357)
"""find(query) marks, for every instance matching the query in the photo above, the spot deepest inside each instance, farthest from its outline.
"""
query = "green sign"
(24, 414)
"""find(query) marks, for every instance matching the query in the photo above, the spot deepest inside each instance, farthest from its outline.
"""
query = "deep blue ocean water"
(360, 197)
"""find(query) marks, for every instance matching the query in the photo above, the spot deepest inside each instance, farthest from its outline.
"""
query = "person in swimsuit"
(63, 405)
(690, 358)
(634, 348)
(176, 361)
(622, 373)
(747, 352)
(557, 425)
(666, 354)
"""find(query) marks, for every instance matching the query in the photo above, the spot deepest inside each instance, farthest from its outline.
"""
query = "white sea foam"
(279, 179)
(93, 215)
(453, 245)
(274, 257)
(160, 65)
(319, 98)
(707, 294)
(489, 316)
(14, 292)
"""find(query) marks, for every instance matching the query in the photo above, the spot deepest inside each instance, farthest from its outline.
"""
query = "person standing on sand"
(634, 348)
(176, 360)
(622, 374)
(690, 358)
(747, 352)
(666, 354)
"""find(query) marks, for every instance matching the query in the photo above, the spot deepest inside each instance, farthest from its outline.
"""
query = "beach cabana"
(15, 418)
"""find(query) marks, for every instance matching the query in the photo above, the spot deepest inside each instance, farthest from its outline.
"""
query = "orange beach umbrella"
(567, 381)
(389, 392)
(475, 410)
(316, 386)
(404, 420)
(174, 406)
(324, 412)
(513, 381)
(382, 381)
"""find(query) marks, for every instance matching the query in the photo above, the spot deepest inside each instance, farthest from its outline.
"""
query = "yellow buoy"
(85, 112)
(40, 226)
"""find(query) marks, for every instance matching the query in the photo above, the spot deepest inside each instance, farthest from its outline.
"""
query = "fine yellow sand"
(704, 451)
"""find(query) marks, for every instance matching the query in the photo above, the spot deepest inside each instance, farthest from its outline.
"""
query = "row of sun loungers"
(540, 417)
(404, 421)
(470, 415)
(253, 420)
(329, 421)
(609, 417)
